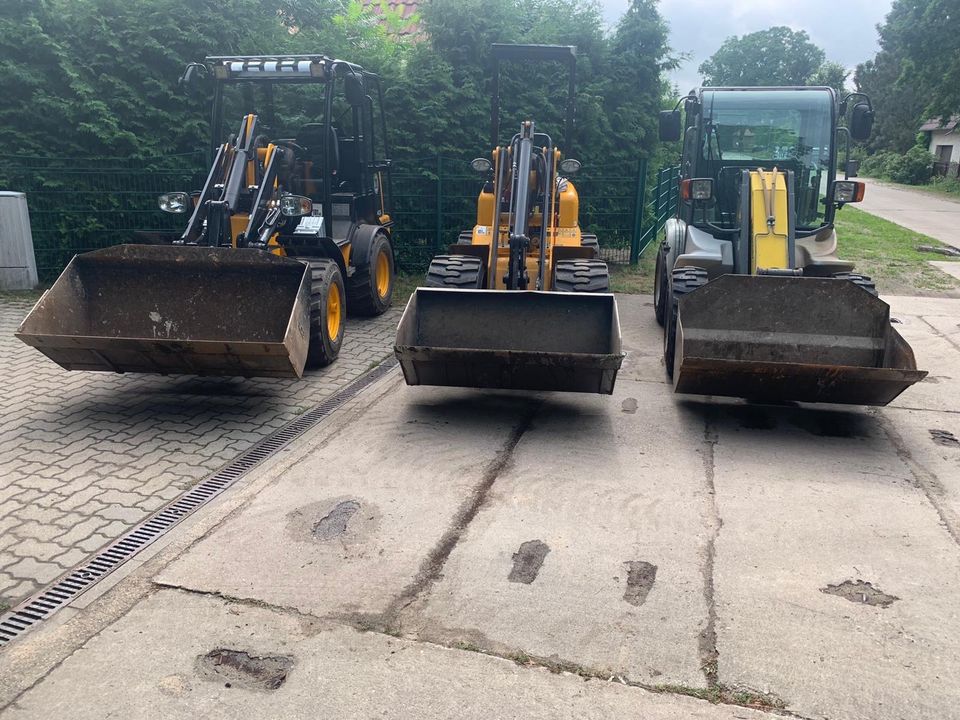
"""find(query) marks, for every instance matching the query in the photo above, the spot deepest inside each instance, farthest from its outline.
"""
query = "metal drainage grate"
(61, 592)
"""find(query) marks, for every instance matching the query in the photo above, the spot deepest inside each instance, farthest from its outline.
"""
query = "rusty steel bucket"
(518, 340)
(172, 309)
(790, 338)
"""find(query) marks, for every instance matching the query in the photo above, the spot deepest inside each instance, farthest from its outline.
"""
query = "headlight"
(295, 205)
(481, 165)
(569, 166)
(175, 202)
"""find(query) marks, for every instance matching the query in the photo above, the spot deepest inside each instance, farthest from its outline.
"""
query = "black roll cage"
(693, 105)
(330, 70)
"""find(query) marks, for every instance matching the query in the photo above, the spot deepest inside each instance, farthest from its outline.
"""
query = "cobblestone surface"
(84, 456)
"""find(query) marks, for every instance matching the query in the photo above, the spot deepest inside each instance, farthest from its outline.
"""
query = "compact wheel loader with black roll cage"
(291, 228)
(522, 300)
(754, 300)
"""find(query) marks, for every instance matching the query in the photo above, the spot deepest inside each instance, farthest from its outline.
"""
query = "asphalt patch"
(858, 591)
(640, 578)
(629, 406)
(334, 524)
(944, 437)
(527, 561)
(236, 668)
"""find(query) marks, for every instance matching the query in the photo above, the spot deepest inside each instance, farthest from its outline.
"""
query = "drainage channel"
(73, 583)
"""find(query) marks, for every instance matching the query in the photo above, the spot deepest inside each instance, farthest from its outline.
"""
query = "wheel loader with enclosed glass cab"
(291, 229)
(522, 300)
(754, 300)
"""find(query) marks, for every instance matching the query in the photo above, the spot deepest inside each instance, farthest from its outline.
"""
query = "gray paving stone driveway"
(84, 456)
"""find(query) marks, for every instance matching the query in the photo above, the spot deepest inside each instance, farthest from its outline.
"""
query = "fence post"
(641, 193)
(439, 201)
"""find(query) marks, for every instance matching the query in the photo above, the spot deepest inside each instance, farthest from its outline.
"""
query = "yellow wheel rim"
(334, 303)
(383, 274)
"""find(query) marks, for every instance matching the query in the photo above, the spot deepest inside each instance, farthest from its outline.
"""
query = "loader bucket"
(784, 338)
(175, 309)
(515, 340)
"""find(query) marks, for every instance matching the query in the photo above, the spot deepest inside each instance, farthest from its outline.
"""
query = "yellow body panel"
(769, 221)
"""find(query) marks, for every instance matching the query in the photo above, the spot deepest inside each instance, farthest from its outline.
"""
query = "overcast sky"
(845, 29)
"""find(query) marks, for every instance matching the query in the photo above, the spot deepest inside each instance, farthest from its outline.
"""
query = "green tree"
(831, 74)
(777, 56)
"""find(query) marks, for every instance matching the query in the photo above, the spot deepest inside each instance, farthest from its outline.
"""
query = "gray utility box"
(18, 265)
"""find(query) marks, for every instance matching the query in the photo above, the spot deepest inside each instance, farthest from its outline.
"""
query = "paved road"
(84, 456)
(919, 211)
(432, 553)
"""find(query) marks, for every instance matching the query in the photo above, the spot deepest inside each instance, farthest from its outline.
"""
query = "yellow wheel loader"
(754, 301)
(291, 229)
(522, 300)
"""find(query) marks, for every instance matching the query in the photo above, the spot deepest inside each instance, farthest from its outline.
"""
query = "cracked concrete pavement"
(431, 552)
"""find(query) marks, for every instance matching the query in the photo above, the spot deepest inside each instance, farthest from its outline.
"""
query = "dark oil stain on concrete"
(629, 405)
(861, 592)
(241, 669)
(944, 437)
(334, 523)
(752, 417)
(527, 561)
(640, 578)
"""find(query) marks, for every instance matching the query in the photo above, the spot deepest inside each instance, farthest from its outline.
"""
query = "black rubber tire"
(323, 349)
(580, 275)
(455, 271)
(465, 237)
(363, 297)
(660, 288)
(683, 280)
(859, 280)
(590, 240)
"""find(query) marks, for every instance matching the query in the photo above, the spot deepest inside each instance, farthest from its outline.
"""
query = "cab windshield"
(786, 129)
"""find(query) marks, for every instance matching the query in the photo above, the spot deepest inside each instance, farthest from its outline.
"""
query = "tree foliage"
(916, 73)
(99, 77)
(776, 56)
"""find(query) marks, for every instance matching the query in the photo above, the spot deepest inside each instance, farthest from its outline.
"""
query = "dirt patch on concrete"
(945, 438)
(858, 591)
(640, 578)
(629, 406)
(527, 561)
(236, 668)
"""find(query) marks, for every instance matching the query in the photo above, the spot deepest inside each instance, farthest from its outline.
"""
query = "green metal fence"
(82, 204)
(77, 205)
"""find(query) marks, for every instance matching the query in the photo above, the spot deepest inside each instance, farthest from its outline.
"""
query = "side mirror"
(861, 122)
(353, 90)
(194, 78)
(670, 128)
